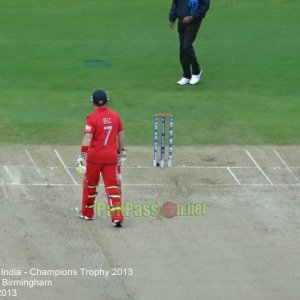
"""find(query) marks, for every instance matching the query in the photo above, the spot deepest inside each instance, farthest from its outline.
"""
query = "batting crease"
(259, 168)
(9, 174)
(65, 167)
(228, 168)
(35, 166)
(287, 167)
(233, 175)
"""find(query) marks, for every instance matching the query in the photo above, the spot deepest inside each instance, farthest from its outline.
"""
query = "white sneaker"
(81, 216)
(183, 81)
(117, 223)
(196, 78)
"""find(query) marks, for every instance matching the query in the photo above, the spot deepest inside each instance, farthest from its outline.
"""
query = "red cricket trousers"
(90, 183)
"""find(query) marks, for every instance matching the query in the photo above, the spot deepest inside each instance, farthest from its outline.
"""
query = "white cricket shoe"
(195, 78)
(117, 223)
(183, 81)
(81, 216)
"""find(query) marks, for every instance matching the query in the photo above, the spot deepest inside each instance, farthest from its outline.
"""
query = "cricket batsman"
(102, 148)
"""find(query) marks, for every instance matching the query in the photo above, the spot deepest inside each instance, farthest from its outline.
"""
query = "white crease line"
(160, 184)
(144, 167)
(16, 166)
(288, 168)
(210, 167)
(233, 175)
(64, 165)
(259, 168)
(35, 166)
(10, 175)
(31, 167)
(143, 184)
(41, 184)
(71, 184)
(246, 184)
(188, 167)
(14, 182)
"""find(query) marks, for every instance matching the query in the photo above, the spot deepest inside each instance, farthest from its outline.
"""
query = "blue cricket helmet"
(99, 97)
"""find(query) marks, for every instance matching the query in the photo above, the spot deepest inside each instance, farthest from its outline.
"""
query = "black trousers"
(187, 36)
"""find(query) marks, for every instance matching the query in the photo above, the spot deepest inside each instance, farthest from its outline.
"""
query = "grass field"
(246, 245)
(249, 52)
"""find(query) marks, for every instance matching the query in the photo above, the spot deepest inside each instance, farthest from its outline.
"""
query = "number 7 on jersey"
(109, 129)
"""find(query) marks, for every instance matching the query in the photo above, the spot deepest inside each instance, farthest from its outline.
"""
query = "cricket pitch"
(244, 245)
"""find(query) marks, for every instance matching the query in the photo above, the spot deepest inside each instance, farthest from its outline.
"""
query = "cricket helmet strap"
(99, 97)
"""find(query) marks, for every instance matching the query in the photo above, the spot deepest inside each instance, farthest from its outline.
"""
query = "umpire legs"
(187, 36)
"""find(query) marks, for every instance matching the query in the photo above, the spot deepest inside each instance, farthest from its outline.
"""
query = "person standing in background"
(189, 14)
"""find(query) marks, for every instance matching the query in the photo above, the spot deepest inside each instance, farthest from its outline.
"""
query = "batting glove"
(80, 163)
(122, 156)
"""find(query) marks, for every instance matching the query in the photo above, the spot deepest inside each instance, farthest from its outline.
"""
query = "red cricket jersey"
(104, 124)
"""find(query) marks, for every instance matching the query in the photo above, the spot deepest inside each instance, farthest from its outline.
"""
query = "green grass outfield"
(249, 51)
